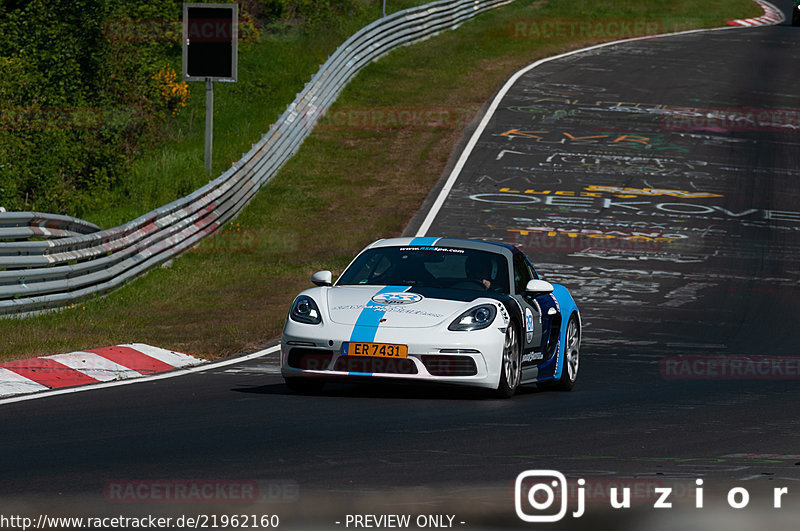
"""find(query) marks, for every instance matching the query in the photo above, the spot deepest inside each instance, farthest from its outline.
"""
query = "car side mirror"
(538, 287)
(322, 278)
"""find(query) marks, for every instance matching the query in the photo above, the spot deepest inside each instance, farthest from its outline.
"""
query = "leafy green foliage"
(312, 13)
(79, 97)
(89, 87)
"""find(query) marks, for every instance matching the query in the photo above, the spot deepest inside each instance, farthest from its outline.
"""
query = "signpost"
(210, 51)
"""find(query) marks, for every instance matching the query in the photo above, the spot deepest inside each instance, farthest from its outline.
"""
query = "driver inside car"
(479, 268)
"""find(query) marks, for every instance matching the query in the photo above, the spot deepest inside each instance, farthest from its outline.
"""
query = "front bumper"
(435, 354)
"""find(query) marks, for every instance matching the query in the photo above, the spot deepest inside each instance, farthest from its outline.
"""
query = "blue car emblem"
(528, 325)
(396, 298)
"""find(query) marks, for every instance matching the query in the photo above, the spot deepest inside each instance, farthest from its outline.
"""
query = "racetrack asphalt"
(658, 181)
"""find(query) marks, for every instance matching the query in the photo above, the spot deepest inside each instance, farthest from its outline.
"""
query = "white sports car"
(453, 311)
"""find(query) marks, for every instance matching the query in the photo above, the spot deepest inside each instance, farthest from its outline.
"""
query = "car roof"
(440, 242)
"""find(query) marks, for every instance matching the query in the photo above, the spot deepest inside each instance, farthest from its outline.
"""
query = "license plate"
(378, 350)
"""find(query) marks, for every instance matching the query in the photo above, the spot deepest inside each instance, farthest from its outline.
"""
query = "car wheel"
(304, 386)
(795, 17)
(572, 346)
(511, 366)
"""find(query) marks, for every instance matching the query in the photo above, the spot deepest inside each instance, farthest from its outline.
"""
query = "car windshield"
(430, 267)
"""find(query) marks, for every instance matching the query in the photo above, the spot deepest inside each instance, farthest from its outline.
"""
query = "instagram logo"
(542, 496)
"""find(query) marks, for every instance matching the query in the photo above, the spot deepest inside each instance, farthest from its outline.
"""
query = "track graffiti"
(602, 164)
(621, 192)
(687, 294)
(663, 257)
(636, 204)
(605, 205)
(627, 140)
(630, 225)
(642, 236)
(545, 114)
(568, 242)
(594, 159)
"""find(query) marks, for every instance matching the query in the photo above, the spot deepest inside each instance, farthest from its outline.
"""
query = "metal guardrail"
(84, 261)
(27, 225)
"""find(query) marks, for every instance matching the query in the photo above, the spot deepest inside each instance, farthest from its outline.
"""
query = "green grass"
(345, 187)
(271, 73)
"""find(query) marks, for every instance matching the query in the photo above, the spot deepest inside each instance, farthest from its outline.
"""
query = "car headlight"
(305, 310)
(476, 318)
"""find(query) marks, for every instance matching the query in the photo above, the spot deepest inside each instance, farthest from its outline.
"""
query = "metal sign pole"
(210, 52)
(384, 8)
(209, 123)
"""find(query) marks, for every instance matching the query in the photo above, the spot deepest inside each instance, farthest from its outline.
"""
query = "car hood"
(396, 307)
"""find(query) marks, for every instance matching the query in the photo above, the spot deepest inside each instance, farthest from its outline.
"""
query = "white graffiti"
(640, 208)
(621, 223)
(685, 294)
(641, 257)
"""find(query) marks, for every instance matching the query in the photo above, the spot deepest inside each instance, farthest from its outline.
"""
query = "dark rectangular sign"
(210, 34)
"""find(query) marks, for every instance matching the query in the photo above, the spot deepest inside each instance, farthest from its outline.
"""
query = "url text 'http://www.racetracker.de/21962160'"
(195, 521)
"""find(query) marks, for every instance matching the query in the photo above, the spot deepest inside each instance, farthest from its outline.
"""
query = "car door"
(531, 314)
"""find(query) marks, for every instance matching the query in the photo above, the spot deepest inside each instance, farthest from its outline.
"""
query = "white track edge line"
(462, 159)
(154, 377)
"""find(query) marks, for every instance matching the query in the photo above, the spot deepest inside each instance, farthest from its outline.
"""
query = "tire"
(304, 386)
(795, 17)
(511, 365)
(572, 345)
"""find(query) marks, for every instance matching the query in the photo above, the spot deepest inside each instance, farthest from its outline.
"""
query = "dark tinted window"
(523, 273)
(429, 267)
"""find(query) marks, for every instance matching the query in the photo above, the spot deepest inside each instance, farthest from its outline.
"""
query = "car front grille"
(309, 359)
(450, 365)
(371, 365)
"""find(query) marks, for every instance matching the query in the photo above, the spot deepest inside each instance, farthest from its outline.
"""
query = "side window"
(530, 267)
(522, 274)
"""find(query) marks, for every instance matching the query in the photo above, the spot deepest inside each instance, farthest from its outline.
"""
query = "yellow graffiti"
(597, 235)
(633, 192)
(616, 191)
(569, 193)
(613, 138)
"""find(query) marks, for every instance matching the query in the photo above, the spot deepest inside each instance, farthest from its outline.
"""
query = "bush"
(78, 100)
(309, 12)
(88, 85)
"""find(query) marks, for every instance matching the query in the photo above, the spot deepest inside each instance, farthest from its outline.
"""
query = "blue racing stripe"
(424, 241)
(370, 317)
(566, 306)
